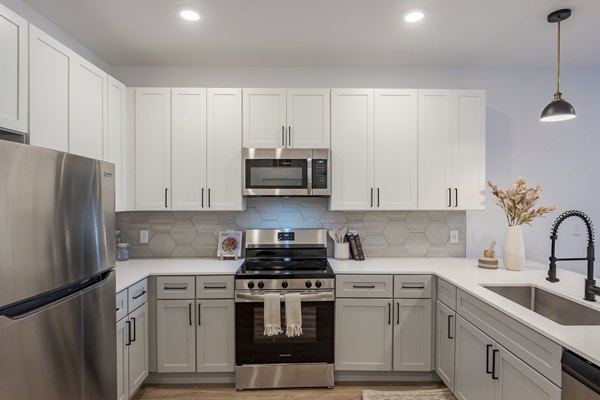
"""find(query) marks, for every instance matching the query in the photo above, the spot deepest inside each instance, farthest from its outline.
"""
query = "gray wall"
(391, 234)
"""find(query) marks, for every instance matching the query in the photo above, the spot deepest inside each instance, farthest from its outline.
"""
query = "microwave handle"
(309, 176)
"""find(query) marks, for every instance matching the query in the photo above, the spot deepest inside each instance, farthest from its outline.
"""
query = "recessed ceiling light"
(414, 16)
(190, 15)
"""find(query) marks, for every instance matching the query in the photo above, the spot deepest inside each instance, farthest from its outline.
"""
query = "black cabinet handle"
(184, 287)
(190, 313)
(494, 364)
(134, 330)
(118, 309)
(199, 315)
(289, 136)
(202, 197)
(377, 197)
(128, 333)
(487, 359)
(455, 197)
(371, 197)
(283, 136)
(389, 313)
(139, 295)
(398, 314)
(208, 197)
(215, 287)
(363, 286)
(450, 326)
(449, 197)
(166, 194)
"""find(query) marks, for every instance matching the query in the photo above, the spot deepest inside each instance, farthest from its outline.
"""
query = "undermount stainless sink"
(556, 308)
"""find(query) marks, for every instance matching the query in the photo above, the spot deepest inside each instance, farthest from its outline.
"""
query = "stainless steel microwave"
(286, 172)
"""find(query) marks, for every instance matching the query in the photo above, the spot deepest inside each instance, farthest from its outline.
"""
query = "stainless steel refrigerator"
(57, 283)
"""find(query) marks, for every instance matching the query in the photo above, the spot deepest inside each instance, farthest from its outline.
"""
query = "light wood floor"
(204, 392)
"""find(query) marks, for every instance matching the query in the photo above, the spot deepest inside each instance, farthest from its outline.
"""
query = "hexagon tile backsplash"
(383, 233)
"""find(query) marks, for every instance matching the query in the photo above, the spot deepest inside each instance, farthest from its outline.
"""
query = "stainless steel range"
(284, 261)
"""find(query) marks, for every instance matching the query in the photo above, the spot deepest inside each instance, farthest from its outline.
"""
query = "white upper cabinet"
(264, 118)
(152, 148)
(451, 149)
(395, 149)
(116, 138)
(224, 155)
(13, 71)
(87, 108)
(352, 136)
(280, 118)
(49, 63)
(188, 138)
(308, 118)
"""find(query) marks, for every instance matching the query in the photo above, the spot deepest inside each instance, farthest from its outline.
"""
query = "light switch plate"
(453, 236)
(144, 236)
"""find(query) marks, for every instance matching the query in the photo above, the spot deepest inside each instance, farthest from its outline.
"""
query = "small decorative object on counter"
(489, 260)
(518, 203)
(122, 251)
(230, 245)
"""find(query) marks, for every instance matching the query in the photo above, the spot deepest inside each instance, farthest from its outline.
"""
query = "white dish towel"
(293, 314)
(272, 314)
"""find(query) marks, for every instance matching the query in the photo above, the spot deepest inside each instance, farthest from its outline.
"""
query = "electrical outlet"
(453, 236)
(144, 236)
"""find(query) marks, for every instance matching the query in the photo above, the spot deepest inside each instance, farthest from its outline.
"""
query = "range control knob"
(284, 284)
(308, 284)
(250, 285)
(318, 284)
(261, 284)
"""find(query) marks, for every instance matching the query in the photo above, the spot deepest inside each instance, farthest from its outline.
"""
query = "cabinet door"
(175, 336)
(116, 138)
(518, 381)
(352, 134)
(435, 149)
(412, 335)
(444, 344)
(469, 151)
(49, 64)
(123, 359)
(396, 149)
(216, 335)
(264, 118)
(473, 364)
(138, 349)
(13, 71)
(308, 118)
(224, 155)
(188, 138)
(363, 335)
(87, 108)
(152, 148)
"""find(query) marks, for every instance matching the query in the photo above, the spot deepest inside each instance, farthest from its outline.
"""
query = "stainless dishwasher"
(580, 378)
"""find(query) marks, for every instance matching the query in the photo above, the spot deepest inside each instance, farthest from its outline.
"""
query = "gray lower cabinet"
(363, 334)
(412, 335)
(486, 370)
(215, 335)
(176, 335)
(122, 360)
(444, 343)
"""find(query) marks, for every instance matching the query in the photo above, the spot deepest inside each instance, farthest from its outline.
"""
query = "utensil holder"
(341, 251)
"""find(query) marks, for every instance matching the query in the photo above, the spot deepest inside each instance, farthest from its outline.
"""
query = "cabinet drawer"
(176, 287)
(215, 287)
(446, 293)
(372, 286)
(412, 286)
(536, 350)
(137, 295)
(121, 304)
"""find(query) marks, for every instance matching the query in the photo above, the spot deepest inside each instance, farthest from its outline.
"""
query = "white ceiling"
(454, 33)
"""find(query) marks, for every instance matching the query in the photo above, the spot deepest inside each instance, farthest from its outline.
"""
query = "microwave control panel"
(319, 174)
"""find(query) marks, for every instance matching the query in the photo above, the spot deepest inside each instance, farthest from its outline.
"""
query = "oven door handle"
(244, 297)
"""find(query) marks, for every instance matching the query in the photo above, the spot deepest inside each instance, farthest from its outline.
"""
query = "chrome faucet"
(591, 290)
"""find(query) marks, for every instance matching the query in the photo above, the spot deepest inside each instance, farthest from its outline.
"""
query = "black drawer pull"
(363, 286)
(487, 359)
(413, 286)
(139, 295)
(389, 313)
(215, 287)
(450, 326)
(398, 314)
(199, 315)
(494, 364)
(175, 287)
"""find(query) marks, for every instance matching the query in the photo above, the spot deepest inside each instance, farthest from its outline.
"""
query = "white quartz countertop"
(463, 273)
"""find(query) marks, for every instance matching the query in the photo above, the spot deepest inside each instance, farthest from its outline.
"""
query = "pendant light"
(558, 109)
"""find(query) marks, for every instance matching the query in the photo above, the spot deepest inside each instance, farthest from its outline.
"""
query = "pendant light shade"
(558, 109)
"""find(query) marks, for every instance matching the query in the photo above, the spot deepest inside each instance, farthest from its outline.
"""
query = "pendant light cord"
(558, 94)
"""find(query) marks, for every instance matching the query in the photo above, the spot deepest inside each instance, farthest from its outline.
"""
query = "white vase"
(514, 250)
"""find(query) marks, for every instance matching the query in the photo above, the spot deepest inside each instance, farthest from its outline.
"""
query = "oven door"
(315, 345)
